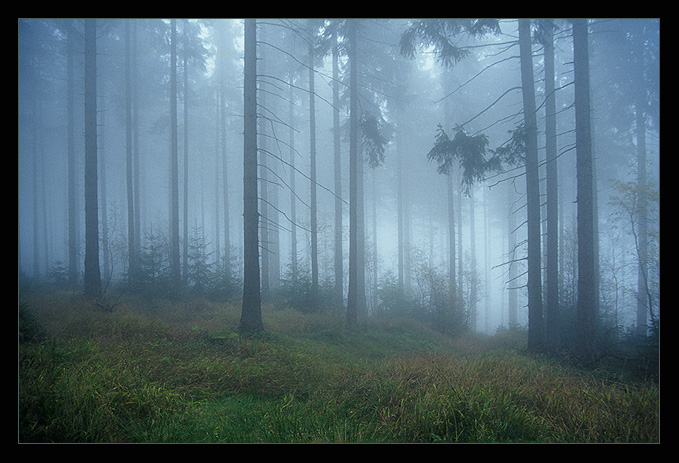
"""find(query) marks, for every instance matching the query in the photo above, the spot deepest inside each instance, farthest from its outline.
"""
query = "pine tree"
(251, 313)
(92, 270)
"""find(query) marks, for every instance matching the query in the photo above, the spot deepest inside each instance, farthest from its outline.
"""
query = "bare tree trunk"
(643, 309)
(174, 162)
(293, 198)
(536, 337)
(352, 302)
(131, 246)
(312, 146)
(585, 195)
(251, 314)
(339, 274)
(92, 270)
(73, 215)
(185, 208)
(552, 317)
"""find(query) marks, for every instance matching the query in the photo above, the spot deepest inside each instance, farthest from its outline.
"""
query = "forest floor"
(166, 372)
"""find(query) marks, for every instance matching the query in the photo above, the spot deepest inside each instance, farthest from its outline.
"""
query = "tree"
(73, 214)
(174, 161)
(353, 293)
(312, 146)
(337, 159)
(536, 338)
(129, 167)
(251, 313)
(469, 151)
(552, 325)
(632, 203)
(92, 271)
(586, 315)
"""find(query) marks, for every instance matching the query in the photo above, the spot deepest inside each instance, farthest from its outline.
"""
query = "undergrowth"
(180, 372)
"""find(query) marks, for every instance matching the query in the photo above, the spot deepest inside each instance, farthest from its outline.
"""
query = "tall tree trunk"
(92, 271)
(360, 231)
(586, 316)
(400, 203)
(131, 245)
(73, 216)
(225, 186)
(451, 197)
(536, 337)
(352, 302)
(373, 289)
(512, 318)
(175, 274)
(218, 248)
(135, 149)
(312, 146)
(251, 314)
(106, 251)
(293, 197)
(339, 273)
(552, 318)
(267, 223)
(643, 308)
(37, 129)
(473, 276)
(185, 209)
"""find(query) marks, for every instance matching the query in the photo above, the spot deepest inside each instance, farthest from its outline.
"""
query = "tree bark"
(586, 315)
(535, 322)
(312, 146)
(185, 208)
(352, 302)
(174, 162)
(251, 313)
(73, 216)
(131, 246)
(552, 317)
(339, 273)
(92, 276)
(643, 308)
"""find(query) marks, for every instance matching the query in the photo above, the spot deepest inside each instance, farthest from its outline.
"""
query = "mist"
(407, 99)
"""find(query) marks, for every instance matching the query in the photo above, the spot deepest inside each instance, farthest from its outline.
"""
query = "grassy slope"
(178, 372)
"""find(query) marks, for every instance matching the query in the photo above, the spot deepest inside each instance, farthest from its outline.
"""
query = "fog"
(403, 99)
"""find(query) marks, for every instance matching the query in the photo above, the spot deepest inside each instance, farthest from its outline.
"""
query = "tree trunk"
(135, 153)
(552, 317)
(92, 271)
(512, 315)
(106, 251)
(131, 246)
(352, 302)
(251, 313)
(218, 247)
(185, 208)
(264, 185)
(400, 198)
(536, 335)
(339, 273)
(586, 316)
(174, 162)
(473, 314)
(312, 146)
(451, 197)
(293, 197)
(643, 309)
(73, 216)
(225, 186)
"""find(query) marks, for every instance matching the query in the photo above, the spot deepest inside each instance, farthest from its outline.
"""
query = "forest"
(230, 218)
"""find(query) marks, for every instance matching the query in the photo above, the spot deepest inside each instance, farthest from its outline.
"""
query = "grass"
(179, 372)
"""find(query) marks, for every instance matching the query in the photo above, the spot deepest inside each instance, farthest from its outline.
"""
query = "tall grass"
(180, 372)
